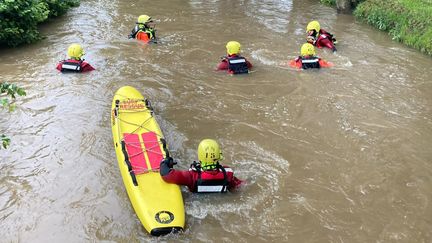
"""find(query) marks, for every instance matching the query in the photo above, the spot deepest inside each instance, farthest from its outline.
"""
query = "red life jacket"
(216, 180)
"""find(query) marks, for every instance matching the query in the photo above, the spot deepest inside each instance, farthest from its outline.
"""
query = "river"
(334, 155)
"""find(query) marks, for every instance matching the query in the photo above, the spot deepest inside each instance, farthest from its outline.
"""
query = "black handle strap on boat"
(117, 102)
(148, 104)
(131, 172)
(164, 146)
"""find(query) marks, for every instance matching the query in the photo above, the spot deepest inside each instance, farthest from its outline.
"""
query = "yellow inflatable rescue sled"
(140, 147)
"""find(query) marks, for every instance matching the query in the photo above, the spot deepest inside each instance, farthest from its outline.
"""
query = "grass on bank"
(407, 21)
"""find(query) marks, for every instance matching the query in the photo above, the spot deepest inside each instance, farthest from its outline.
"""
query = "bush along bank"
(329, 2)
(344, 6)
(407, 21)
(19, 18)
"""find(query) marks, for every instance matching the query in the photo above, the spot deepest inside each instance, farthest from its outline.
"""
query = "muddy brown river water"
(335, 155)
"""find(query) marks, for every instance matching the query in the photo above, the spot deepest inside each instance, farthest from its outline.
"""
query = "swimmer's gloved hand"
(169, 161)
(166, 165)
(195, 166)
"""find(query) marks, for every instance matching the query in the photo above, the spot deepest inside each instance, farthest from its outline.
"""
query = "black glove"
(195, 166)
(166, 166)
(169, 162)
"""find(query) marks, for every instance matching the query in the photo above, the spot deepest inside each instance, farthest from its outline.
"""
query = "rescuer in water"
(75, 63)
(319, 37)
(233, 62)
(142, 30)
(308, 59)
(206, 175)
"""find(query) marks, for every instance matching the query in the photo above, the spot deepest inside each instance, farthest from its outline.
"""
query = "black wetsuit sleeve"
(133, 33)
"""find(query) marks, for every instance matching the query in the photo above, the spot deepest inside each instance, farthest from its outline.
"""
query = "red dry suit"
(72, 65)
(219, 179)
(324, 39)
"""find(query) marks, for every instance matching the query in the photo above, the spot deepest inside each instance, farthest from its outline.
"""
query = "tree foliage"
(59, 7)
(19, 18)
(8, 91)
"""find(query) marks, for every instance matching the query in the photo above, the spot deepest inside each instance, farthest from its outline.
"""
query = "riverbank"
(407, 21)
(19, 19)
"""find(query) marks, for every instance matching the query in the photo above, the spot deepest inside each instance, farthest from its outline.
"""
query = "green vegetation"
(329, 2)
(407, 21)
(8, 91)
(351, 3)
(5, 141)
(19, 18)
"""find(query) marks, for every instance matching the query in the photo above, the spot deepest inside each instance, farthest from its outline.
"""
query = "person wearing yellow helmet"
(319, 37)
(207, 175)
(233, 62)
(142, 30)
(308, 58)
(75, 63)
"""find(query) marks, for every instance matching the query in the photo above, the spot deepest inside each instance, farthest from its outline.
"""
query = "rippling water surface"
(335, 155)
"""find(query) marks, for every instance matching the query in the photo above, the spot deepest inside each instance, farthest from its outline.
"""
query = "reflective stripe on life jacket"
(209, 188)
(237, 65)
(213, 180)
(71, 66)
(310, 62)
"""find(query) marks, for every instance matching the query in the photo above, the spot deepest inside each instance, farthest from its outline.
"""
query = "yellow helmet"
(307, 49)
(233, 47)
(75, 51)
(209, 153)
(144, 19)
(313, 25)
